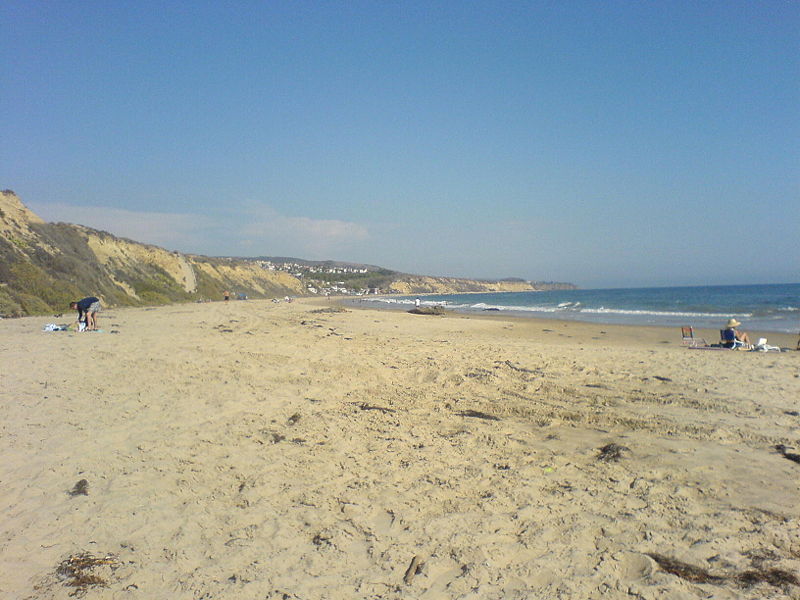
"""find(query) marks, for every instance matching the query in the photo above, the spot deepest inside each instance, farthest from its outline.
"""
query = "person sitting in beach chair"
(732, 338)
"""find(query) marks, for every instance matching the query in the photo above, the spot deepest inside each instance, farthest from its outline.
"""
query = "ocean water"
(759, 307)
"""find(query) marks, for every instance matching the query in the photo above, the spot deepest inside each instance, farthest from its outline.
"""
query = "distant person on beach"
(417, 303)
(87, 310)
(226, 296)
(730, 334)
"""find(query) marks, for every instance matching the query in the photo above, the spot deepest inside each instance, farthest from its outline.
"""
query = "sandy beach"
(254, 450)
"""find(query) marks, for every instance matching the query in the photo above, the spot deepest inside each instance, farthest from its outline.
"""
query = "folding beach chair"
(689, 339)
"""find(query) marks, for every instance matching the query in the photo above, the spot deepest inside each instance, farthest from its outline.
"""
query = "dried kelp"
(476, 414)
(772, 576)
(775, 577)
(611, 452)
(684, 570)
(382, 409)
(79, 571)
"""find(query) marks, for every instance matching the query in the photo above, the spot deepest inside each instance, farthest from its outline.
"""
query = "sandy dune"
(286, 451)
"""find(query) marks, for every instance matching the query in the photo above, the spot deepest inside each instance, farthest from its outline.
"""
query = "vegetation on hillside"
(45, 266)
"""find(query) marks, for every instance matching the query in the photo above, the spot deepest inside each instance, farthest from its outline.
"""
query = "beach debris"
(476, 414)
(272, 436)
(660, 378)
(784, 451)
(321, 540)
(80, 571)
(792, 413)
(428, 310)
(80, 489)
(293, 419)
(772, 576)
(330, 310)
(383, 409)
(514, 367)
(684, 570)
(412, 570)
(611, 452)
(311, 323)
(479, 374)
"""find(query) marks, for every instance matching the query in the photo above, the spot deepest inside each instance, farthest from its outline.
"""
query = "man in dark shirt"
(88, 307)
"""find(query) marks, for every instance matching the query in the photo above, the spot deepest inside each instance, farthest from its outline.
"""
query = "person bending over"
(730, 334)
(88, 309)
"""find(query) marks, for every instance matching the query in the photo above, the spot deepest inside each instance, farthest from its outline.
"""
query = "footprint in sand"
(633, 566)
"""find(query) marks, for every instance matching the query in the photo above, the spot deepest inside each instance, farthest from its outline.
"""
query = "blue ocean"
(759, 307)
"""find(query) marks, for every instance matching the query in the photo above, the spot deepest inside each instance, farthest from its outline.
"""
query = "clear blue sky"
(603, 143)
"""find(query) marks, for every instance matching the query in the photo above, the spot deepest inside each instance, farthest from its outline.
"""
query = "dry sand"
(273, 451)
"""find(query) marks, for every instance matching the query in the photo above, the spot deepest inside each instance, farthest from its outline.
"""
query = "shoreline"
(705, 307)
(640, 335)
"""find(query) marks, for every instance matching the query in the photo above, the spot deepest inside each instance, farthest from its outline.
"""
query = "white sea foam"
(600, 311)
(700, 307)
(658, 313)
(567, 306)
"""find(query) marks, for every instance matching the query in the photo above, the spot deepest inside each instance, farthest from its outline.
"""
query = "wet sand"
(261, 450)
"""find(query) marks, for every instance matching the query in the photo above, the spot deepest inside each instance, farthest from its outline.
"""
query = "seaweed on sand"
(611, 452)
(383, 409)
(78, 571)
(478, 415)
(772, 576)
(684, 570)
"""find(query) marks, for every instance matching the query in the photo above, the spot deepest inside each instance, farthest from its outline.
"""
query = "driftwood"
(412, 570)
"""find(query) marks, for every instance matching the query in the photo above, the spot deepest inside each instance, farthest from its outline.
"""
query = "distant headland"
(44, 266)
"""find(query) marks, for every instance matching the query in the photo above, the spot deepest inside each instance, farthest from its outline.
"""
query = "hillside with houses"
(44, 266)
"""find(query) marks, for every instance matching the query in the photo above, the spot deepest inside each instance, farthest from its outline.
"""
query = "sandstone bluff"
(43, 266)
